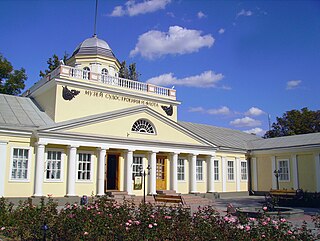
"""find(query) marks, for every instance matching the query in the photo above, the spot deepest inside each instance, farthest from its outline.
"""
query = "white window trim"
(143, 162)
(144, 133)
(184, 170)
(244, 161)
(203, 177)
(45, 166)
(234, 171)
(92, 167)
(219, 171)
(278, 167)
(29, 164)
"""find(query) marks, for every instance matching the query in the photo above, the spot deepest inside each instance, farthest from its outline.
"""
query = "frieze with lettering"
(114, 97)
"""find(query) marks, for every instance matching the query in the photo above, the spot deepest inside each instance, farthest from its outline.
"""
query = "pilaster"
(40, 159)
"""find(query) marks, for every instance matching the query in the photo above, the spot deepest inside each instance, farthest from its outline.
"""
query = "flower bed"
(103, 219)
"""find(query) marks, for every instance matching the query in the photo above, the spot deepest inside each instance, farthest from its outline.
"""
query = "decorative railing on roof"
(68, 71)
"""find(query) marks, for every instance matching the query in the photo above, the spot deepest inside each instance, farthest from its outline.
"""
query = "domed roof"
(94, 46)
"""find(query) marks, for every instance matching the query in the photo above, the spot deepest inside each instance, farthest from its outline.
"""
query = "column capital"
(40, 144)
(100, 148)
(73, 146)
(193, 154)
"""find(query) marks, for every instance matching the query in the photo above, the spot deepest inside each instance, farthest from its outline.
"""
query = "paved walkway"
(258, 201)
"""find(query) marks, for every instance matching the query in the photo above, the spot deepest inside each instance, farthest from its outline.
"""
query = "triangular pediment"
(118, 124)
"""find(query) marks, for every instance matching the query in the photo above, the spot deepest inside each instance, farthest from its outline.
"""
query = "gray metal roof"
(222, 137)
(21, 111)
(93, 46)
(286, 141)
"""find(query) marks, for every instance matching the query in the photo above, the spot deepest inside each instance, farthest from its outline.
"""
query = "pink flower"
(240, 226)
(151, 216)
(289, 232)
(276, 227)
(265, 208)
(127, 229)
(137, 222)
(3, 228)
(226, 218)
(252, 219)
(127, 224)
(268, 219)
(263, 236)
(232, 220)
(264, 223)
(248, 228)
(85, 233)
(129, 221)
(167, 217)
(155, 224)
(150, 225)
(283, 220)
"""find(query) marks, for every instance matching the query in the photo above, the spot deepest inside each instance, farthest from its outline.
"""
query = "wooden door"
(161, 173)
(112, 172)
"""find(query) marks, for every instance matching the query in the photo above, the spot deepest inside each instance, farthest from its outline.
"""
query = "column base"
(194, 192)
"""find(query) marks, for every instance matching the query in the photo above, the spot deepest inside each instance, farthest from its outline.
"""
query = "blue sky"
(231, 62)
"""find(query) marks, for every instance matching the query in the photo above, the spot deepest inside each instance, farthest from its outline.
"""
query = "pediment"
(118, 124)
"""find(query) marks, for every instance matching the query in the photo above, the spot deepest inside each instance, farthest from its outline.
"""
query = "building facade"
(83, 130)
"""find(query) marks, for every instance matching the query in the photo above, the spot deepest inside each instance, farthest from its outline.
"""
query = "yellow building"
(82, 130)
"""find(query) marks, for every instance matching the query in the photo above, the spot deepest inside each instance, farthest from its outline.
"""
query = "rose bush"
(104, 219)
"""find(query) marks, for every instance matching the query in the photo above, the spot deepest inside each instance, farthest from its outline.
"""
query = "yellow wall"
(89, 102)
(264, 173)
(47, 101)
(183, 186)
(306, 167)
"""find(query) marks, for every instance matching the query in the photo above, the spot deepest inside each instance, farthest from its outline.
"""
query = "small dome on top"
(94, 46)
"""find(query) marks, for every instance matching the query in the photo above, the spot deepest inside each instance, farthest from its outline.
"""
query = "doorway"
(161, 173)
(112, 172)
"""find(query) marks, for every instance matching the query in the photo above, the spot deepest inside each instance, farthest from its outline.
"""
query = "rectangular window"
(20, 164)
(216, 170)
(136, 166)
(230, 171)
(283, 166)
(244, 171)
(199, 170)
(53, 171)
(84, 166)
(181, 170)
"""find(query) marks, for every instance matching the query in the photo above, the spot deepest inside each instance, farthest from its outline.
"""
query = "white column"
(273, 168)
(224, 174)
(153, 173)
(101, 171)
(128, 177)
(317, 171)
(210, 164)
(72, 163)
(238, 174)
(295, 171)
(3, 161)
(192, 171)
(254, 173)
(174, 172)
(39, 170)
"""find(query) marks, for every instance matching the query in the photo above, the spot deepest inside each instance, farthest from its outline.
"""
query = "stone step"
(110, 193)
(167, 192)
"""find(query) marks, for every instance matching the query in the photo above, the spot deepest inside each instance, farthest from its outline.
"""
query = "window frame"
(61, 167)
(214, 170)
(242, 169)
(134, 125)
(91, 167)
(183, 166)
(233, 171)
(86, 73)
(288, 167)
(137, 172)
(199, 174)
(28, 166)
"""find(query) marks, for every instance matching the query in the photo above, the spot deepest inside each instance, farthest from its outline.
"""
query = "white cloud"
(177, 40)
(201, 15)
(245, 13)
(203, 80)
(256, 131)
(245, 121)
(132, 8)
(221, 31)
(224, 110)
(254, 111)
(292, 84)
(196, 109)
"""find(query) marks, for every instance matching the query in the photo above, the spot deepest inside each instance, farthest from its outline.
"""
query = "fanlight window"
(143, 126)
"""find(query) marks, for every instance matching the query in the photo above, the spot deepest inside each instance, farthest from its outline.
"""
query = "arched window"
(86, 73)
(104, 71)
(143, 126)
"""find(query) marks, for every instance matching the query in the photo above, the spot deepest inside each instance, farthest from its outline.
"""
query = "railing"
(68, 71)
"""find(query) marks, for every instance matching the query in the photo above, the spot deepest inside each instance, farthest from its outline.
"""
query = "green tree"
(11, 81)
(128, 73)
(295, 122)
(53, 63)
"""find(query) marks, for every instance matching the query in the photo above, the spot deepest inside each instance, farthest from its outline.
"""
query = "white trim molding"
(295, 174)
(254, 173)
(223, 173)
(273, 168)
(3, 162)
(238, 174)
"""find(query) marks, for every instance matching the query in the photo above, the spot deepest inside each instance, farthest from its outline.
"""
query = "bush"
(103, 219)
